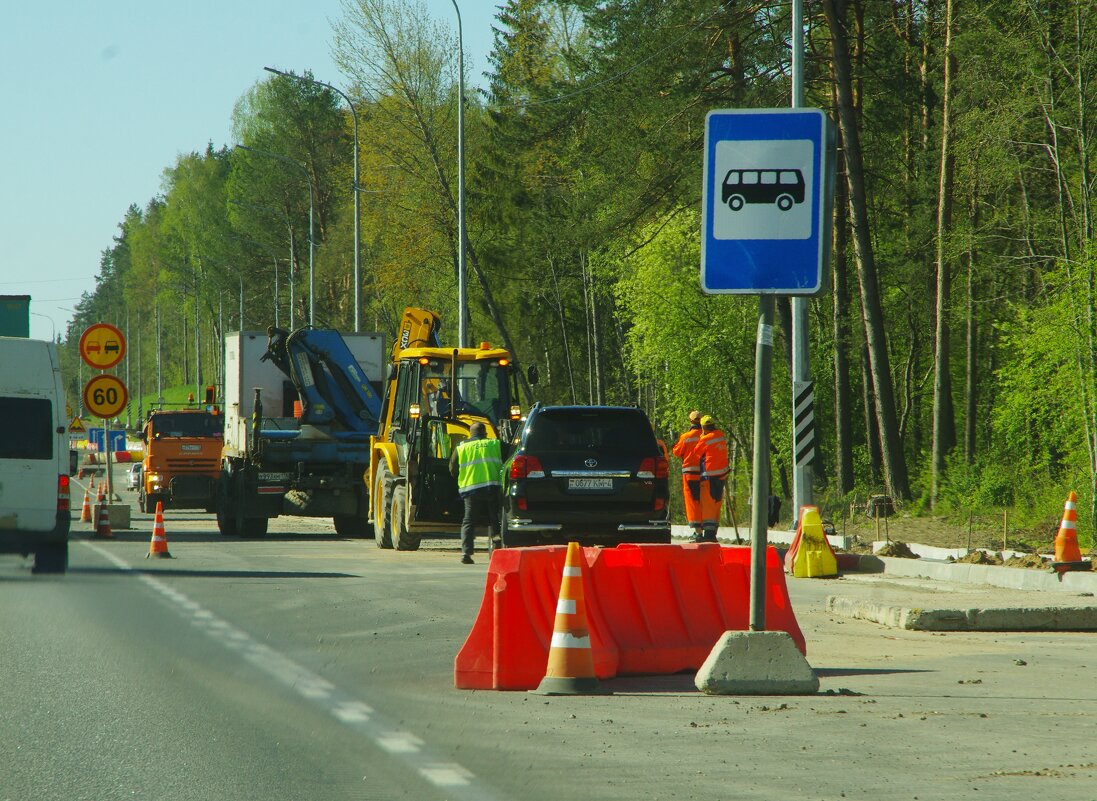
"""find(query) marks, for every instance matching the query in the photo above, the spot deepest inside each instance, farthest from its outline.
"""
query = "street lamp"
(292, 255)
(354, 185)
(312, 236)
(462, 281)
(274, 257)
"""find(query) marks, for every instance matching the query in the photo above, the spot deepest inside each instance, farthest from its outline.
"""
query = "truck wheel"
(226, 514)
(52, 558)
(403, 539)
(382, 507)
(351, 526)
(254, 527)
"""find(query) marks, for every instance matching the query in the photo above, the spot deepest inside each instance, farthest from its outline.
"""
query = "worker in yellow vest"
(477, 463)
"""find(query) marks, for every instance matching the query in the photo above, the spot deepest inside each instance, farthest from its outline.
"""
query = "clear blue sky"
(98, 99)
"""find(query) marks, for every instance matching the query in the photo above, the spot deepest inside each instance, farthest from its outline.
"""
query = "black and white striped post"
(803, 444)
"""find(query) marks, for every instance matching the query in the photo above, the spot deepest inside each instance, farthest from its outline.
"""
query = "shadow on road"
(245, 574)
(831, 673)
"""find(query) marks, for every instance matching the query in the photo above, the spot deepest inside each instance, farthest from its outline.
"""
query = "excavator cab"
(433, 397)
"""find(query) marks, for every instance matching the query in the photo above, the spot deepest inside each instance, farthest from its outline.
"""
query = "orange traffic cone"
(570, 669)
(1068, 556)
(85, 510)
(102, 528)
(159, 545)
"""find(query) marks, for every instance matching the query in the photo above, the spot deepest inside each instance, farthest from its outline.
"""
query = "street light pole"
(354, 189)
(292, 255)
(462, 279)
(312, 235)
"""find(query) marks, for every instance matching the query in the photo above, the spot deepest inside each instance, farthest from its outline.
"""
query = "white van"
(34, 455)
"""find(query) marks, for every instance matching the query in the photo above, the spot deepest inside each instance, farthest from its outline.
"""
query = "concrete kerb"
(1029, 615)
(776, 537)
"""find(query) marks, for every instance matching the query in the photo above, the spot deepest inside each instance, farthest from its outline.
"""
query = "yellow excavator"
(432, 396)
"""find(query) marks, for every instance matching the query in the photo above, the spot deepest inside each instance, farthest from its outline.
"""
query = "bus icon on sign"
(781, 187)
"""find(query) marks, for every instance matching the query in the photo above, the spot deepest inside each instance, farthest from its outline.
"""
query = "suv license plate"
(590, 483)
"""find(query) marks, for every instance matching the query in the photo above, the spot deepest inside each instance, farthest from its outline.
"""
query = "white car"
(135, 475)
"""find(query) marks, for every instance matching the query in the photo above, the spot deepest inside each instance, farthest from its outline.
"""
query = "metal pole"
(759, 510)
(312, 233)
(292, 274)
(354, 191)
(462, 278)
(241, 301)
(129, 400)
(275, 290)
(802, 412)
(159, 372)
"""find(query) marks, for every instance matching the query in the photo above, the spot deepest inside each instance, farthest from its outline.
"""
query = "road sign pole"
(110, 481)
(763, 377)
(802, 436)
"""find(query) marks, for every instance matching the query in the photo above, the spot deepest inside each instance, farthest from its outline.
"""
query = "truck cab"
(182, 459)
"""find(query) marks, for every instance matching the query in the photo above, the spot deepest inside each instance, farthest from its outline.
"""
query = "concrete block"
(756, 663)
(119, 515)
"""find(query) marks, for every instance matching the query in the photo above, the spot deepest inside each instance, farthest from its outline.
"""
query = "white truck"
(34, 456)
(289, 447)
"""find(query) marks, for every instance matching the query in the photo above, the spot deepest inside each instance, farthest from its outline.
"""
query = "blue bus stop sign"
(768, 198)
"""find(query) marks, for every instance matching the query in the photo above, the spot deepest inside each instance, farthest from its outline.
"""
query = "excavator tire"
(403, 539)
(382, 510)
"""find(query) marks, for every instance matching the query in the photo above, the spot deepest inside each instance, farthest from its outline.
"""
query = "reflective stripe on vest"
(712, 451)
(480, 462)
(686, 449)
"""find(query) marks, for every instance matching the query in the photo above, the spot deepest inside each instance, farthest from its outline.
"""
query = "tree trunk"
(843, 420)
(895, 469)
(872, 429)
(971, 375)
(944, 423)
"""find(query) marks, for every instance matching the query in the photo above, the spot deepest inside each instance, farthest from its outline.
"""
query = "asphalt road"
(304, 666)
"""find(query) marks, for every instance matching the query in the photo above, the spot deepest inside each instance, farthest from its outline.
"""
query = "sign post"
(767, 201)
(102, 346)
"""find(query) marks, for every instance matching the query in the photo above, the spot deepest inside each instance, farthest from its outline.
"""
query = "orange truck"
(182, 458)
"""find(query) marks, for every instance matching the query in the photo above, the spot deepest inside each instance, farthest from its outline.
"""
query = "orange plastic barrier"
(123, 456)
(652, 609)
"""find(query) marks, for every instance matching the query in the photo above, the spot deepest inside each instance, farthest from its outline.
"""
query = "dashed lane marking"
(354, 713)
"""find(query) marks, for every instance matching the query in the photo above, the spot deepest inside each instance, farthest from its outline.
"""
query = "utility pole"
(803, 390)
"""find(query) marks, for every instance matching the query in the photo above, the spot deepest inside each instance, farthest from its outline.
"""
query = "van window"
(31, 434)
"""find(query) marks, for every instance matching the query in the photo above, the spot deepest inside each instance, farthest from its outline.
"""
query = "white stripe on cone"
(563, 639)
(565, 606)
(573, 572)
(1068, 524)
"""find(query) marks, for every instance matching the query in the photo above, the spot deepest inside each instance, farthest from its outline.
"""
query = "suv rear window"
(31, 435)
(624, 430)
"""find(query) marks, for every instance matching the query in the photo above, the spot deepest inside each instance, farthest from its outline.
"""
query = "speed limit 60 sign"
(105, 396)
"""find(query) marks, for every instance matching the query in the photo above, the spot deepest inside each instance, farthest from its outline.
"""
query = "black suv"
(591, 474)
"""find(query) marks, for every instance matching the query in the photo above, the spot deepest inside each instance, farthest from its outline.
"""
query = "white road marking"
(352, 712)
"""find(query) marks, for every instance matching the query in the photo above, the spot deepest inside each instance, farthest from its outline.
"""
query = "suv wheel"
(510, 539)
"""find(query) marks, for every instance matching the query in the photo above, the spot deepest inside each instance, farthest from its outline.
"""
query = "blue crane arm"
(329, 380)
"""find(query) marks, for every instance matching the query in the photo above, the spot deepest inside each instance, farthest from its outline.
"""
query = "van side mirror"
(532, 375)
(74, 461)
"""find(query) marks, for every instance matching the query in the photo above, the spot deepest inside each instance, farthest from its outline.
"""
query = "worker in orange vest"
(712, 451)
(686, 450)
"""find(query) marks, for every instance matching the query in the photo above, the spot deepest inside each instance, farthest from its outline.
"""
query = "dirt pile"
(1029, 560)
(978, 558)
(899, 549)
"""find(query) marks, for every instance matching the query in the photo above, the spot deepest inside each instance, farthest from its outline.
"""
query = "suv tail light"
(526, 467)
(653, 467)
(62, 493)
